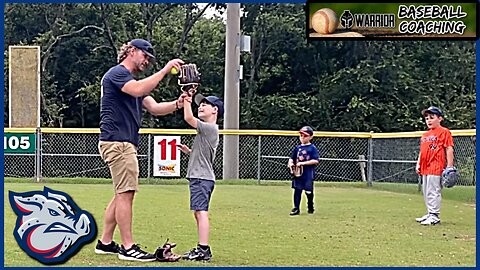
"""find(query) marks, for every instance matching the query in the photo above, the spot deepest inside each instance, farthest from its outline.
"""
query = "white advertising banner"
(166, 156)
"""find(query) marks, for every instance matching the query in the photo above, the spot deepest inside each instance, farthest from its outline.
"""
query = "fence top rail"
(19, 130)
(414, 134)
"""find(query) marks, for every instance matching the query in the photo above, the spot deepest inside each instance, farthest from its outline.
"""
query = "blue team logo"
(50, 227)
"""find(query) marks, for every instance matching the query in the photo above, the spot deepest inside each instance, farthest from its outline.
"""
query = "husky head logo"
(50, 227)
(347, 19)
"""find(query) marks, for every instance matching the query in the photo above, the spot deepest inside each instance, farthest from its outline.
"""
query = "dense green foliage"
(288, 82)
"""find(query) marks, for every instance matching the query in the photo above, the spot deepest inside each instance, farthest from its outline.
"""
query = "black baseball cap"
(306, 130)
(432, 110)
(145, 46)
(214, 100)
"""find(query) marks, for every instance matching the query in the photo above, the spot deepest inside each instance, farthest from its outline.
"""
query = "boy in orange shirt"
(436, 151)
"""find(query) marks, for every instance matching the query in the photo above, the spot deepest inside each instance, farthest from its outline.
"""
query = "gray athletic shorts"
(200, 193)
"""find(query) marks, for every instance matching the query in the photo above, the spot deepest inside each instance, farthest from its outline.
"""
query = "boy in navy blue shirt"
(306, 156)
(123, 98)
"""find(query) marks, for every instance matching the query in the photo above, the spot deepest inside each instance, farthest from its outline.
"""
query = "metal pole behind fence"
(259, 158)
(232, 92)
(38, 155)
(419, 183)
(362, 167)
(149, 156)
(370, 160)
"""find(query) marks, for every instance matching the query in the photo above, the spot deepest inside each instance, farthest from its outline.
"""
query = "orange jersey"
(433, 144)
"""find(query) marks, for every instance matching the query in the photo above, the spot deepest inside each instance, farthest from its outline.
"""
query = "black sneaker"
(198, 254)
(135, 253)
(294, 212)
(311, 210)
(111, 248)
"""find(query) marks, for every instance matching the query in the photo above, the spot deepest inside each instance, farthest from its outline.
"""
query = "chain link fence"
(351, 157)
(341, 159)
(394, 159)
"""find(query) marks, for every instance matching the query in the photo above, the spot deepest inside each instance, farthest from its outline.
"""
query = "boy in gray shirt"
(200, 172)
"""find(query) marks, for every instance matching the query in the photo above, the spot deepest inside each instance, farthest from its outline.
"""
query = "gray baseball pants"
(432, 193)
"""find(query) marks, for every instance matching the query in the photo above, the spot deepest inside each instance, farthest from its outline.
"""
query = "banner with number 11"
(166, 156)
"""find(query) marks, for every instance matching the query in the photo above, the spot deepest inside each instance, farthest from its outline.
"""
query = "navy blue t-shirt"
(305, 153)
(120, 113)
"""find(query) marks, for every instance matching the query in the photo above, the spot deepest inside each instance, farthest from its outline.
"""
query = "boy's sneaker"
(423, 218)
(111, 248)
(135, 253)
(198, 254)
(294, 212)
(311, 210)
(431, 220)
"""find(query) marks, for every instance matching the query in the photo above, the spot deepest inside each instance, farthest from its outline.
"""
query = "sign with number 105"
(19, 143)
(166, 156)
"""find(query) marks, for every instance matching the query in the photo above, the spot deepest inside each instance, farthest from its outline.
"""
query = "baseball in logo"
(50, 227)
(324, 21)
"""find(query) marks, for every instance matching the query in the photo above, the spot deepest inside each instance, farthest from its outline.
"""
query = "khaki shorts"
(121, 158)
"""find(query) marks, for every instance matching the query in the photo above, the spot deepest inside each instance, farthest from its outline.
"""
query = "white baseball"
(325, 21)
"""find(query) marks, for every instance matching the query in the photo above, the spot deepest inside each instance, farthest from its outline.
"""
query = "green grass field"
(250, 225)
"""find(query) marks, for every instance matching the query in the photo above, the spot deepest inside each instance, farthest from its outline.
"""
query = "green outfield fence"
(344, 156)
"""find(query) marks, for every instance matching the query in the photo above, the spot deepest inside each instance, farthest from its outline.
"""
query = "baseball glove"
(296, 171)
(449, 177)
(165, 254)
(189, 78)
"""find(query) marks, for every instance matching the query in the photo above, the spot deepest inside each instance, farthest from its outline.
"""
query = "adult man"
(122, 100)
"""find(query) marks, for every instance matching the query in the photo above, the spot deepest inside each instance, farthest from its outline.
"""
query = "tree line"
(288, 82)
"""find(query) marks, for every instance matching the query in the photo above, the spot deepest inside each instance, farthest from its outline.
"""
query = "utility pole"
(232, 92)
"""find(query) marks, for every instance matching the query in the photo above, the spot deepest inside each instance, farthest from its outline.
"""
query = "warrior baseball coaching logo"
(50, 227)
(367, 20)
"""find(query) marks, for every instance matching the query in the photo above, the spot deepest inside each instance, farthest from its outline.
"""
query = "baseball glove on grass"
(449, 177)
(165, 253)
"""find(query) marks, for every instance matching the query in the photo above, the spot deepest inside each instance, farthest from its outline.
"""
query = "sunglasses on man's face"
(145, 55)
